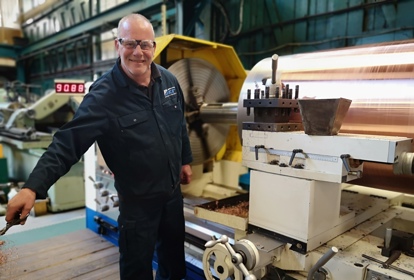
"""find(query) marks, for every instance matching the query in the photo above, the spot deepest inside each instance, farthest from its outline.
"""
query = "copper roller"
(379, 79)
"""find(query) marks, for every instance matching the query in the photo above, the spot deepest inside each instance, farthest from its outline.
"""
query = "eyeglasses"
(131, 44)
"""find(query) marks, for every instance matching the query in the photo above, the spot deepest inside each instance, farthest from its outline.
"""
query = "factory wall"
(259, 29)
(74, 38)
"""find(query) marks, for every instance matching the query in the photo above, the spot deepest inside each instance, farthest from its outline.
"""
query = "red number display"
(81, 88)
(69, 87)
(66, 87)
(58, 87)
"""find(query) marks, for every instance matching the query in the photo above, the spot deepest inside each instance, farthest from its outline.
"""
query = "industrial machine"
(330, 205)
(211, 76)
(26, 129)
(314, 210)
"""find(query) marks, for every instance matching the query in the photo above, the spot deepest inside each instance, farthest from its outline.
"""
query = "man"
(135, 113)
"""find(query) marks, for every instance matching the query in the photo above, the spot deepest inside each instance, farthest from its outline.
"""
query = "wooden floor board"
(79, 255)
(110, 277)
(60, 254)
(109, 272)
(78, 266)
(60, 258)
(72, 265)
(94, 269)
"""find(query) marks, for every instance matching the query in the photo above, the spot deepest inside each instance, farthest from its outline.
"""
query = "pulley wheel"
(202, 83)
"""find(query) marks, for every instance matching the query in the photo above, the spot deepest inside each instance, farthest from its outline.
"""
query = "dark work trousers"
(148, 224)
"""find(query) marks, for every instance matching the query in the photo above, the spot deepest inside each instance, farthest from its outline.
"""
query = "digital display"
(70, 86)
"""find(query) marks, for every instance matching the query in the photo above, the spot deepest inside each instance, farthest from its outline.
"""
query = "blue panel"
(403, 35)
(377, 18)
(8, 51)
(300, 28)
(286, 9)
(91, 218)
(389, 12)
(286, 12)
(273, 14)
(336, 26)
(355, 19)
(321, 23)
(193, 272)
(405, 16)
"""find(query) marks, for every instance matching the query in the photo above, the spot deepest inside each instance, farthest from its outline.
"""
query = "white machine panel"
(293, 207)
(382, 149)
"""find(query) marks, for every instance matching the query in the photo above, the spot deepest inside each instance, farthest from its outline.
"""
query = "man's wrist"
(29, 191)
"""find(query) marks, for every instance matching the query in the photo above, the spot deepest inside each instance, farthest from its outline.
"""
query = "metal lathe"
(326, 139)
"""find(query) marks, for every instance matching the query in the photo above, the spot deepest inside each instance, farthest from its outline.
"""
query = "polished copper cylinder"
(379, 79)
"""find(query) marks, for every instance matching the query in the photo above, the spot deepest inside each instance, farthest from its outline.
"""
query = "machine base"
(108, 229)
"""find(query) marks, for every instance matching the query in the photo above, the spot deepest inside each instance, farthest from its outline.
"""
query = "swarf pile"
(241, 209)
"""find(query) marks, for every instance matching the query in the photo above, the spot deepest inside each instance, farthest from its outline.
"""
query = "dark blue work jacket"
(144, 142)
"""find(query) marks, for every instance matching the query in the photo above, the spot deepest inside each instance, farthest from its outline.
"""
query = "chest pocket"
(170, 101)
(135, 132)
(171, 105)
(131, 120)
(173, 114)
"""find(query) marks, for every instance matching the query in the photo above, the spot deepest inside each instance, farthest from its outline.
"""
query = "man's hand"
(20, 204)
(186, 174)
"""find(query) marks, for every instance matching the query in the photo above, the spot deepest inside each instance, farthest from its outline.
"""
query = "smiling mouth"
(137, 61)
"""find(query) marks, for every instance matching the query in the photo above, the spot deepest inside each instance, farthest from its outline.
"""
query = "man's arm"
(67, 147)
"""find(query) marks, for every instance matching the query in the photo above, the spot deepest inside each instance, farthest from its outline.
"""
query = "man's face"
(136, 58)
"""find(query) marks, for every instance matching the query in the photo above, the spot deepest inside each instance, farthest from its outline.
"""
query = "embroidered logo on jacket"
(169, 92)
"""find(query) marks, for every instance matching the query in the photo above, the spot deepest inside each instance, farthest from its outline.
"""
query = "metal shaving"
(241, 209)
(8, 259)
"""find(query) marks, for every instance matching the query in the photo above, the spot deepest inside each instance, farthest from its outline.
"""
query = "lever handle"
(322, 261)
(97, 184)
(344, 158)
(256, 150)
(394, 256)
(223, 239)
(294, 152)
